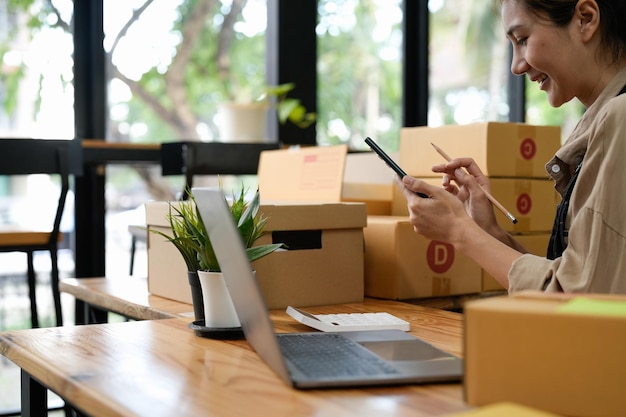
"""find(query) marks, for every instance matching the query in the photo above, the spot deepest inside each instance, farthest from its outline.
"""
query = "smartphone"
(390, 162)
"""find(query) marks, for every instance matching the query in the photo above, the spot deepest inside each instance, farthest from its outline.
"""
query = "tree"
(171, 102)
(201, 65)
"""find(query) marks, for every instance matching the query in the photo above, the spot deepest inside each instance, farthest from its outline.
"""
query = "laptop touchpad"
(405, 350)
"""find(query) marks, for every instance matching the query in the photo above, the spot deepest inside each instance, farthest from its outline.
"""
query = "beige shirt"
(595, 257)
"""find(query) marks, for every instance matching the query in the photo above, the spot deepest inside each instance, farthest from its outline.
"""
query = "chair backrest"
(39, 156)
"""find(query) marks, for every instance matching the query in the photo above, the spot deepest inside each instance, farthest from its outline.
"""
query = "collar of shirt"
(562, 166)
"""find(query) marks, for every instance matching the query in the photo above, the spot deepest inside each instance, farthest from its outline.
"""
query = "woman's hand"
(470, 189)
(437, 217)
(442, 216)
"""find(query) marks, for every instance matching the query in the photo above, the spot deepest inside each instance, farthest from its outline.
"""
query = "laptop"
(327, 359)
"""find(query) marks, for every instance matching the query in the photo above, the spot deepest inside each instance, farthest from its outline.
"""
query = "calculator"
(347, 322)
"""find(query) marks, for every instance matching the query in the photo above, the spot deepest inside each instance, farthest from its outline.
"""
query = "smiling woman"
(572, 49)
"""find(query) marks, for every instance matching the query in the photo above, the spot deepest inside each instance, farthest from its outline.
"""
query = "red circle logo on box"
(440, 256)
(524, 203)
(528, 148)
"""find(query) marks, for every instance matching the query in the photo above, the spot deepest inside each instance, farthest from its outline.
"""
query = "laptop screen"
(239, 277)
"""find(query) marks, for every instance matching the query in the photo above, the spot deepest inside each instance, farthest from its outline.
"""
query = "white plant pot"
(219, 311)
(242, 122)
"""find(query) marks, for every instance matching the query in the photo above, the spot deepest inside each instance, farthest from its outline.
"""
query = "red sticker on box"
(528, 148)
(440, 256)
(524, 203)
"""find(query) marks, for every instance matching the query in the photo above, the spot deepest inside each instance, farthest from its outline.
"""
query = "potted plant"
(243, 119)
(189, 236)
(288, 108)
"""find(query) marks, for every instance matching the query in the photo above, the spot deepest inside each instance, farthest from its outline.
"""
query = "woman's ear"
(587, 15)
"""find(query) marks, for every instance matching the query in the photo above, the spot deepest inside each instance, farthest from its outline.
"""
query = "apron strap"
(558, 238)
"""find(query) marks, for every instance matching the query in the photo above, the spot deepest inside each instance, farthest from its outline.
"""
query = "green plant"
(190, 237)
(289, 108)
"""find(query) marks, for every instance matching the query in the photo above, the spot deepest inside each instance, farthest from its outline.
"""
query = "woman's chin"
(555, 101)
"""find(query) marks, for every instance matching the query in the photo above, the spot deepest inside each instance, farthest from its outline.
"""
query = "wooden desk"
(160, 368)
(127, 296)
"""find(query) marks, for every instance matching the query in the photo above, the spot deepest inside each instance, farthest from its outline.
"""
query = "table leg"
(96, 315)
(87, 314)
(34, 397)
(81, 312)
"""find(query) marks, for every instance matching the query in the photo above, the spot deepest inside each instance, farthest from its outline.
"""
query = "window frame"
(289, 58)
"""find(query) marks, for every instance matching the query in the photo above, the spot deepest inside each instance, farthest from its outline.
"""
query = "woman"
(572, 49)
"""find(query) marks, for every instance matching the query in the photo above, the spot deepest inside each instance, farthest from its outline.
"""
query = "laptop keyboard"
(321, 355)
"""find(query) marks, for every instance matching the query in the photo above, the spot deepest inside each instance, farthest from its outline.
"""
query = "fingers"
(463, 171)
(448, 185)
(463, 163)
(412, 186)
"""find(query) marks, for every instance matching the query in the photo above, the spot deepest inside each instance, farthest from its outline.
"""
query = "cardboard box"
(499, 149)
(323, 266)
(167, 272)
(562, 354)
(536, 243)
(324, 263)
(302, 174)
(400, 264)
(504, 409)
(367, 179)
(325, 174)
(532, 201)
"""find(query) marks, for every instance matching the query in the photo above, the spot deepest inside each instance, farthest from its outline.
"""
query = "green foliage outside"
(214, 60)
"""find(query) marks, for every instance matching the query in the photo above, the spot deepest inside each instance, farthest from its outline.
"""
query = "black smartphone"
(390, 162)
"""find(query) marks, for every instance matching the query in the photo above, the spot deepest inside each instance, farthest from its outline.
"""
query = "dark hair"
(561, 12)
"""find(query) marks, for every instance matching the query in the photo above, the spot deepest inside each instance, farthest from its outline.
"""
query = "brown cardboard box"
(532, 201)
(167, 272)
(562, 354)
(400, 264)
(367, 179)
(499, 149)
(324, 263)
(325, 174)
(302, 174)
(536, 243)
(504, 409)
(329, 272)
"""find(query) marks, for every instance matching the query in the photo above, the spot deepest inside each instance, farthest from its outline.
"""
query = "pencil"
(489, 196)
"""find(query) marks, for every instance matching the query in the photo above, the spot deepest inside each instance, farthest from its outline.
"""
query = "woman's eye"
(521, 41)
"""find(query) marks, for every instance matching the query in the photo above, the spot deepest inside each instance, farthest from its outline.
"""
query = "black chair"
(37, 156)
(137, 234)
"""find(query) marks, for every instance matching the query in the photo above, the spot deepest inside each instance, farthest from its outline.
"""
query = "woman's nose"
(519, 66)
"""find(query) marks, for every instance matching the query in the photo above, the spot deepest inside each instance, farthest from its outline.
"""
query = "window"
(468, 63)
(359, 72)
(172, 62)
(36, 79)
(469, 70)
(37, 96)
